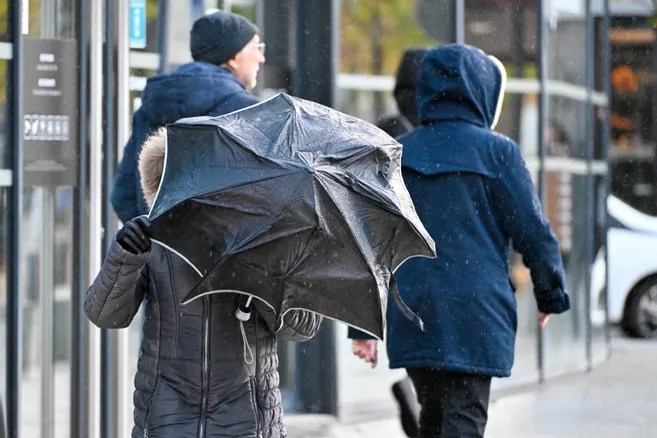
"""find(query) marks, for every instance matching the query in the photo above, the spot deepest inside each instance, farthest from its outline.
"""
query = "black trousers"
(453, 404)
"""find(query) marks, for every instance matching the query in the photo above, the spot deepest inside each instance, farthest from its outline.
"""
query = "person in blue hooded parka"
(474, 194)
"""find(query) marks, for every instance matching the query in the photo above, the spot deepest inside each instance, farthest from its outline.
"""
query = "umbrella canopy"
(292, 203)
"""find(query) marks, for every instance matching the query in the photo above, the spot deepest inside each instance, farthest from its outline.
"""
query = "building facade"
(63, 111)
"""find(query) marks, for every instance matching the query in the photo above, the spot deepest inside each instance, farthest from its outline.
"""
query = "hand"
(366, 349)
(135, 235)
(543, 319)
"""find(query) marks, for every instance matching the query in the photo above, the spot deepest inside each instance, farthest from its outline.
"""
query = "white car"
(632, 259)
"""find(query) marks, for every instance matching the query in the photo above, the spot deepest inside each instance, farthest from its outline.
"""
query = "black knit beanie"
(218, 37)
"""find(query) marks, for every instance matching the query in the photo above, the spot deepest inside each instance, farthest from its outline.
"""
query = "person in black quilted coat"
(201, 372)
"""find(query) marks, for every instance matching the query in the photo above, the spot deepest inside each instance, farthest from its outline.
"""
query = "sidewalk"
(616, 399)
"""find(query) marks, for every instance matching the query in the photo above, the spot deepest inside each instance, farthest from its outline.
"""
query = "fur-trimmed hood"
(151, 164)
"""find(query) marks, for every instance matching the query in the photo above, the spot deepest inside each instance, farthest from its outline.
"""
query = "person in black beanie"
(227, 54)
(227, 40)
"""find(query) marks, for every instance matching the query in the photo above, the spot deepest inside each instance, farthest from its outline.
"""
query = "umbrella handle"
(403, 308)
(243, 314)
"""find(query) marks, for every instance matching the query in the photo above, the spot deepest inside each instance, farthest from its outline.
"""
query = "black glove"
(135, 235)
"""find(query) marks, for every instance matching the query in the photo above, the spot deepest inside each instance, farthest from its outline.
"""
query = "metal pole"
(542, 40)
(317, 57)
(46, 286)
(590, 191)
(162, 34)
(95, 201)
(107, 371)
(197, 10)
(46, 274)
(80, 252)
(606, 140)
(15, 202)
(275, 20)
(459, 28)
(121, 345)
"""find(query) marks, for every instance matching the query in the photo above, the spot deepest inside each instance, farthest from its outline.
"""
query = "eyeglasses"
(259, 46)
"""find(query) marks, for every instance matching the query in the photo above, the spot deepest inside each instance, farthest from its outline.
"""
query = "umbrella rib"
(290, 309)
(266, 140)
(347, 222)
(357, 135)
(235, 186)
(305, 254)
(397, 212)
(366, 188)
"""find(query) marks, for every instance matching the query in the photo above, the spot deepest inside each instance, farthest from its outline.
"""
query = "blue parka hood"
(193, 89)
(459, 82)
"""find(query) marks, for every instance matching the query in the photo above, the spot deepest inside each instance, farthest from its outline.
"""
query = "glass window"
(566, 51)
(41, 23)
(565, 336)
(246, 8)
(5, 67)
(4, 212)
(633, 131)
(519, 121)
(138, 79)
(506, 30)
(4, 21)
(366, 104)
(373, 35)
(567, 208)
(566, 135)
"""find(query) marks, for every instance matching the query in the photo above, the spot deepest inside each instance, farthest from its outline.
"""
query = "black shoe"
(409, 412)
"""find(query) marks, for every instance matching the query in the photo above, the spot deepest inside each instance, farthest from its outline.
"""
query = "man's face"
(247, 62)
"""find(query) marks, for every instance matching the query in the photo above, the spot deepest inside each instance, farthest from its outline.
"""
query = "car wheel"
(640, 318)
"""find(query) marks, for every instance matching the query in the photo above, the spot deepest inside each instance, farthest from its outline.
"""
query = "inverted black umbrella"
(293, 203)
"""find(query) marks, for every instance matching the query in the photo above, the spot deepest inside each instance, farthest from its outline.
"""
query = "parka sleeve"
(114, 297)
(297, 325)
(520, 213)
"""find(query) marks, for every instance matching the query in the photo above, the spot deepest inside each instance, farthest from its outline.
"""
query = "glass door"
(50, 120)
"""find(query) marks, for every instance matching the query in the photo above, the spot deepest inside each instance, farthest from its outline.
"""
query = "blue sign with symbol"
(137, 24)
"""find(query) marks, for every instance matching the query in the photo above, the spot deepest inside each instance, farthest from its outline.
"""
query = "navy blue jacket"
(474, 194)
(193, 89)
